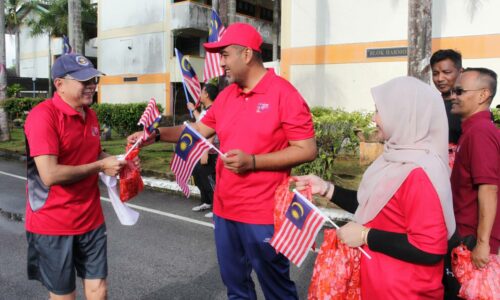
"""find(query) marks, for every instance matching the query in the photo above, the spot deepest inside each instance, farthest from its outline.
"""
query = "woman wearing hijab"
(403, 208)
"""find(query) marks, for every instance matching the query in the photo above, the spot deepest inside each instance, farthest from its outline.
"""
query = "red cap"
(237, 34)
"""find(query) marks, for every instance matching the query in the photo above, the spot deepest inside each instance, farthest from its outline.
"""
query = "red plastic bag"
(336, 273)
(282, 199)
(477, 284)
(130, 177)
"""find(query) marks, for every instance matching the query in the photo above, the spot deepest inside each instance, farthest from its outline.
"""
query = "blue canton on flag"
(189, 77)
(188, 151)
(67, 49)
(299, 230)
(212, 60)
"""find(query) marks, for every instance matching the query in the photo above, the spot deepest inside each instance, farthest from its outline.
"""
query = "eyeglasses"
(459, 91)
(93, 80)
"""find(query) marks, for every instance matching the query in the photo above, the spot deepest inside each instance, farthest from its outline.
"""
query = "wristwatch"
(157, 134)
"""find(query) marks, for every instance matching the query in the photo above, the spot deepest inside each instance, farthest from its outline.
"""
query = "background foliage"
(335, 134)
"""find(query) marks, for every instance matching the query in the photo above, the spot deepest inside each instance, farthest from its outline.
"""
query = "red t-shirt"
(55, 128)
(261, 121)
(477, 162)
(414, 209)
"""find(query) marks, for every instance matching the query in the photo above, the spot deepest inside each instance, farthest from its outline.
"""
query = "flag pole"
(182, 78)
(203, 138)
(327, 218)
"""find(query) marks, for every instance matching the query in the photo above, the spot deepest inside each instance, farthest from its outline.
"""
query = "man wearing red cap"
(265, 129)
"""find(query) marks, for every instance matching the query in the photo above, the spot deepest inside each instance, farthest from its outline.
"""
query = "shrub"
(335, 134)
(18, 108)
(122, 118)
(496, 116)
(13, 90)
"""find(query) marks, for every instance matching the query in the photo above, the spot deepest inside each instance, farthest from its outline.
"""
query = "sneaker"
(209, 215)
(201, 207)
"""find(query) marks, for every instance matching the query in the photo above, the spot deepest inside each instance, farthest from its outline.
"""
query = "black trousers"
(204, 178)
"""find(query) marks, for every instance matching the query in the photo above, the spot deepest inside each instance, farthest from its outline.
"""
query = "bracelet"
(364, 235)
(328, 186)
(157, 135)
(253, 162)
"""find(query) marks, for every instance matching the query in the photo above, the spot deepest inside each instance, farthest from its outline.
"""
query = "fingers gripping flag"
(212, 60)
(188, 151)
(299, 230)
(150, 118)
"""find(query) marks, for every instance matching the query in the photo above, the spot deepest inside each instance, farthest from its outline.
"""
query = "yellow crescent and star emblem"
(297, 210)
(185, 65)
(186, 141)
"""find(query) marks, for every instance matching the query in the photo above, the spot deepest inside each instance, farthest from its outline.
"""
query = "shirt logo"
(95, 131)
(262, 107)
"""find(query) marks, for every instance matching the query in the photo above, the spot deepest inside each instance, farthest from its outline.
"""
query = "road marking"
(12, 175)
(150, 210)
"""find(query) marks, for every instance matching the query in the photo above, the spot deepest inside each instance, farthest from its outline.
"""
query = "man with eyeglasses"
(476, 175)
(65, 225)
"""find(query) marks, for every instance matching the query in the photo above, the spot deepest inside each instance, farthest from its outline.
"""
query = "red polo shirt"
(477, 162)
(55, 128)
(261, 121)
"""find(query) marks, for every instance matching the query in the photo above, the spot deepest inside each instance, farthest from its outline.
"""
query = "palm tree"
(16, 11)
(419, 38)
(4, 124)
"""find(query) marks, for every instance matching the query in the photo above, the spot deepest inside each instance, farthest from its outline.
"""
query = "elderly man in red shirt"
(476, 174)
(64, 220)
(265, 128)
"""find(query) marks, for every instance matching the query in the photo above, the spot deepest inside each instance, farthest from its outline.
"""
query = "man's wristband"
(157, 135)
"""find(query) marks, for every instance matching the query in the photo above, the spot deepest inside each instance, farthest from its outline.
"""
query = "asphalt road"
(168, 254)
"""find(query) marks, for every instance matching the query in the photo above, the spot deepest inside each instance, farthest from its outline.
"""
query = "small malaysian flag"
(67, 49)
(150, 119)
(189, 78)
(188, 151)
(299, 230)
(212, 60)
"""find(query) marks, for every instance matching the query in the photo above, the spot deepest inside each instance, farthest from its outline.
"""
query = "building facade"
(334, 51)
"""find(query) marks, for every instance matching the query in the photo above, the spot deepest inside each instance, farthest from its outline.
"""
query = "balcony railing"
(192, 15)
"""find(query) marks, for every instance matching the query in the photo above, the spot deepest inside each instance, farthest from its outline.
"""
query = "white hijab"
(414, 121)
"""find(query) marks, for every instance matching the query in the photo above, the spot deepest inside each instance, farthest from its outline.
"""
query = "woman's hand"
(318, 185)
(352, 234)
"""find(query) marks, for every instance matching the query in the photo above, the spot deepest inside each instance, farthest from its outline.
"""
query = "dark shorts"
(53, 259)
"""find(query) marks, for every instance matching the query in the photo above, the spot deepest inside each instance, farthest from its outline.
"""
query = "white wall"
(327, 22)
(123, 13)
(135, 93)
(343, 85)
(147, 54)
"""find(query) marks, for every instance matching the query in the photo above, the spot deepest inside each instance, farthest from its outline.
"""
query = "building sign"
(387, 52)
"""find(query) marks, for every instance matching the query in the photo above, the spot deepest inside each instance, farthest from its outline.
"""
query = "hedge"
(335, 134)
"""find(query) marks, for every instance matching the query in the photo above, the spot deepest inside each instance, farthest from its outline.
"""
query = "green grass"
(155, 159)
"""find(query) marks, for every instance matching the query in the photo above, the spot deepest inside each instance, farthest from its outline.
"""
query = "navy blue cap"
(75, 65)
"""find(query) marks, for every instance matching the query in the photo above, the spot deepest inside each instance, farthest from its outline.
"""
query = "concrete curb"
(167, 185)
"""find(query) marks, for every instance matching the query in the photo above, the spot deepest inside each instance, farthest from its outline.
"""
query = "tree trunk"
(231, 12)
(4, 123)
(419, 38)
(18, 52)
(49, 94)
(75, 34)
(223, 11)
(276, 28)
